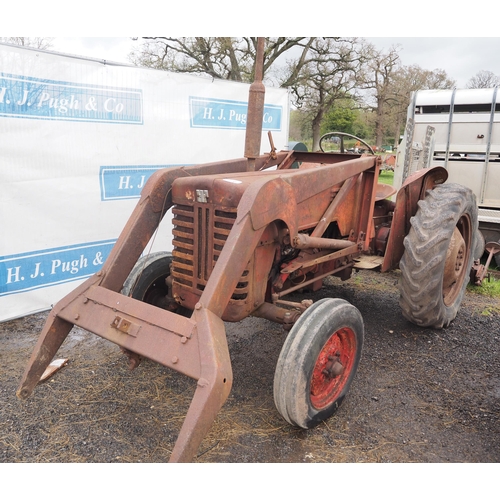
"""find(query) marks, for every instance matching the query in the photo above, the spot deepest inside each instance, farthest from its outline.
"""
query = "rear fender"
(412, 191)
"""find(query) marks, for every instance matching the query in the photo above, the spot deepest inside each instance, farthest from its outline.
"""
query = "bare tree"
(332, 74)
(408, 79)
(42, 43)
(318, 70)
(222, 57)
(483, 80)
(391, 85)
(383, 67)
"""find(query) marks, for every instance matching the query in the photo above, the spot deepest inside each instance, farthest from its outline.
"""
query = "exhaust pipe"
(255, 112)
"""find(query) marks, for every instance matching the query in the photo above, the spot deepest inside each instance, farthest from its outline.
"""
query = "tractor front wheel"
(147, 280)
(318, 362)
(439, 253)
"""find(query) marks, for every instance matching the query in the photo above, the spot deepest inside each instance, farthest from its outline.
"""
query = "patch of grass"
(490, 310)
(489, 287)
(386, 177)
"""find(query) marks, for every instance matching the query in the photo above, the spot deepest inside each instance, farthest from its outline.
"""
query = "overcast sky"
(461, 58)
(429, 28)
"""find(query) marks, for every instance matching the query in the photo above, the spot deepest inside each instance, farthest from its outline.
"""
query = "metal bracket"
(125, 326)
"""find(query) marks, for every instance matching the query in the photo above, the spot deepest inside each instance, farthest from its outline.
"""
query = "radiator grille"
(200, 232)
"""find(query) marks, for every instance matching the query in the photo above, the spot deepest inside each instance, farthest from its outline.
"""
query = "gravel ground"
(420, 395)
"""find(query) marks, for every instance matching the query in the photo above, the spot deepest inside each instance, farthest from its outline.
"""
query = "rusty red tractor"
(247, 233)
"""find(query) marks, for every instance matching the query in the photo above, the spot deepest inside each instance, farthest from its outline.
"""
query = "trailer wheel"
(439, 253)
(146, 281)
(480, 247)
(318, 362)
(496, 257)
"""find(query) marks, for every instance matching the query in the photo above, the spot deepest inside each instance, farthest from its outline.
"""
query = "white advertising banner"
(79, 138)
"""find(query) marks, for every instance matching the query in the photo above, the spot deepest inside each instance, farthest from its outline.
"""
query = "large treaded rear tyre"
(439, 253)
(318, 362)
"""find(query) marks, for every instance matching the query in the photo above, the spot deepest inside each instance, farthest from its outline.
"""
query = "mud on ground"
(420, 395)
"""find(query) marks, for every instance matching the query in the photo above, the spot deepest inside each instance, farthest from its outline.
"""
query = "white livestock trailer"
(457, 129)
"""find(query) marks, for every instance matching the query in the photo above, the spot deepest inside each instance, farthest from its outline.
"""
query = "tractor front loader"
(247, 233)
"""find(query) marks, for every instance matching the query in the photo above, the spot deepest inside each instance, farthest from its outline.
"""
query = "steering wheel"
(333, 141)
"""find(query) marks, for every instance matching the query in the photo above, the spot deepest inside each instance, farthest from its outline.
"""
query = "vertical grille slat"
(199, 264)
(207, 263)
(192, 261)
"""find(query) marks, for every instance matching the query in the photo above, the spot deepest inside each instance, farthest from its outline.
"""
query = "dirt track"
(420, 395)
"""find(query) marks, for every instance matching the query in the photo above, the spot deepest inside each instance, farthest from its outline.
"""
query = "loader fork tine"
(206, 403)
(212, 389)
(52, 336)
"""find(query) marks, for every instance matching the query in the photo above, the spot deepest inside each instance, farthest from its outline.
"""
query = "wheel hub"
(455, 261)
(332, 368)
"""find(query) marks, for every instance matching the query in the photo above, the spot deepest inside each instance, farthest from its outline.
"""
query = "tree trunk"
(316, 130)
(397, 130)
(379, 130)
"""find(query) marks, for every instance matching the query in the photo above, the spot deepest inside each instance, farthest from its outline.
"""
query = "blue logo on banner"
(28, 271)
(123, 183)
(219, 113)
(26, 97)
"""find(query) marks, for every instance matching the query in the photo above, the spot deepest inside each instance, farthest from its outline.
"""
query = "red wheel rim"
(333, 367)
(452, 281)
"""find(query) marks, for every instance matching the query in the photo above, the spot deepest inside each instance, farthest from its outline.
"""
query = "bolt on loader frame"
(247, 233)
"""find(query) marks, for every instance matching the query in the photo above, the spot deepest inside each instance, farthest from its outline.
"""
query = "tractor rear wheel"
(439, 253)
(318, 362)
